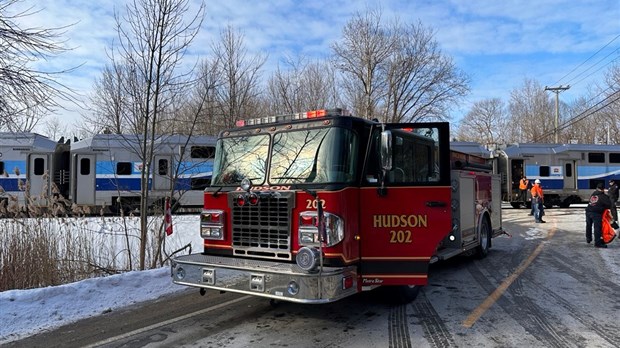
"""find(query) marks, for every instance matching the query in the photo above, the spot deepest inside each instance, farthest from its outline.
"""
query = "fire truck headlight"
(308, 231)
(334, 229)
(180, 273)
(212, 224)
(246, 184)
(308, 259)
(308, 237)
(293, 288)
(207, 232)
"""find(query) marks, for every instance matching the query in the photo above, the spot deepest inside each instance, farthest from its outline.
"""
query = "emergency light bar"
(291, 117)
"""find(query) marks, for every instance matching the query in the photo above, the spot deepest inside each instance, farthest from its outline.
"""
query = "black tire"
(516, 205)
(402, 294)
(482, 250)
(548, 205)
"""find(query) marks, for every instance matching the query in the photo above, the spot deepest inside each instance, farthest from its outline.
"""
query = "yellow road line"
(491, 299)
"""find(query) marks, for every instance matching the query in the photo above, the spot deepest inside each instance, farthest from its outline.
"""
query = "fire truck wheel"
(485, 239)
(401, 294)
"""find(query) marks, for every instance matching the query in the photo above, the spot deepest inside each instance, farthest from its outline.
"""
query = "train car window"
(202, 152)
(123, 168)
(162, 167)
(596, 157)
(614, 157)
(85, 166)
(39, 166)
(1, 168)
(544, 171)
(568, 170)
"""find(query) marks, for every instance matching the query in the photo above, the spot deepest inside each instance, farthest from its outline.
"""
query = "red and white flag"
(168, 218)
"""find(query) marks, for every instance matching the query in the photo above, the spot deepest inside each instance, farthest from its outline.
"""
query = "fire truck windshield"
(320, 155)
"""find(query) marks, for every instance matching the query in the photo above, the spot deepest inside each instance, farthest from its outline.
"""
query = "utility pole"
(557, 91)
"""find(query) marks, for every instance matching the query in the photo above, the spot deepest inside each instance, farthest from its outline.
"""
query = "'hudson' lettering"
(380, 221)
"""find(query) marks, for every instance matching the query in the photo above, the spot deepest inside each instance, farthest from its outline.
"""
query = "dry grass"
(45, 247)
(32, 255)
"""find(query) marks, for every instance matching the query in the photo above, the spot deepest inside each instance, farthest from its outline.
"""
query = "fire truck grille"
(263, 230)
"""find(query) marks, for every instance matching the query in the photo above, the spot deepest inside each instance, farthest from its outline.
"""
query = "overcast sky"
(497, 43)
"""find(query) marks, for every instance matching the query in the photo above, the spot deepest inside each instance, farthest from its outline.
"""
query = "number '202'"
(400, 236)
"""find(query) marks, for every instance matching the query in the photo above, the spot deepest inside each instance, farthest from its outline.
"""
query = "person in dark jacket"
(612, 192)
(599, 201)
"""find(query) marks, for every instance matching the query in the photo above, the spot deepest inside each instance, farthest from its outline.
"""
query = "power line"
(592, 66)
(581, 116)
(592, 56)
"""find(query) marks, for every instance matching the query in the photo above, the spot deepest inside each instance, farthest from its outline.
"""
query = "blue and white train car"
(568, 173)
(106, 171)
(28, 163)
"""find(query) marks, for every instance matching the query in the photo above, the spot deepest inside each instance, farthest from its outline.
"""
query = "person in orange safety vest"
(538, 198)
(523, 186)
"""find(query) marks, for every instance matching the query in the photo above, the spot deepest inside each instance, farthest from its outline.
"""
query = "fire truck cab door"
(405, 211)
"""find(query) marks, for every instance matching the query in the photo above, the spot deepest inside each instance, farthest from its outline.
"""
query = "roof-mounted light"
(290, 117)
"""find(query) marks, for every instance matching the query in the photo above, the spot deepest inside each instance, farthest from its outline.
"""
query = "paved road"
(542, 287)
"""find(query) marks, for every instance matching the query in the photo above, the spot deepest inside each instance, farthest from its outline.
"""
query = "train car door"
(84, 179)
(162, 173)
(570, 175)
(38, 170)
(517, 170)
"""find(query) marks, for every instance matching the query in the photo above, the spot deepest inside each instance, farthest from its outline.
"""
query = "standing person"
(599, 201)
(523, 186)
(613, 196)
(538, 198)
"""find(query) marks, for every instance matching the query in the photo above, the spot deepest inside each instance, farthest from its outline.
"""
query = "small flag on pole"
(168, 218)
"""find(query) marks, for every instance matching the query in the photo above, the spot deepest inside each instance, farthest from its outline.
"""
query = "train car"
(101, 172)
(568, 173)
(106, 171)
(27, 161)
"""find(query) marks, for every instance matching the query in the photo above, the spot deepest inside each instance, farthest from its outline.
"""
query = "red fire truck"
(317, 206)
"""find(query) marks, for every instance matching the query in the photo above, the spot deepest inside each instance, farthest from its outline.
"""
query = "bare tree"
(54, 129)
(27, 94)
(532, 113)
(201, 105)
(238, 92)
(111, 101)
(579, 128)
(611, 110)
(396, 72)
(422, 83)
(153, 39)
(302, 86)
(485, 123)
(361, 56)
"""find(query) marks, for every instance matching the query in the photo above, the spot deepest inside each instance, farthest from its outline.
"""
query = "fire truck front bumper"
(270, 279)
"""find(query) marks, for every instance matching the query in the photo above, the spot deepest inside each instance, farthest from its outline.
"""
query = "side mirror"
(386, 150)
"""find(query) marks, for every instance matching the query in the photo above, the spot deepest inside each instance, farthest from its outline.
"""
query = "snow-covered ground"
(26, 312)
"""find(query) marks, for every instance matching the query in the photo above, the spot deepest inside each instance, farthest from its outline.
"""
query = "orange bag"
(608, 232)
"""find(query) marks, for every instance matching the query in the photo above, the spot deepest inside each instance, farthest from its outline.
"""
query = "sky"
(498, 44)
